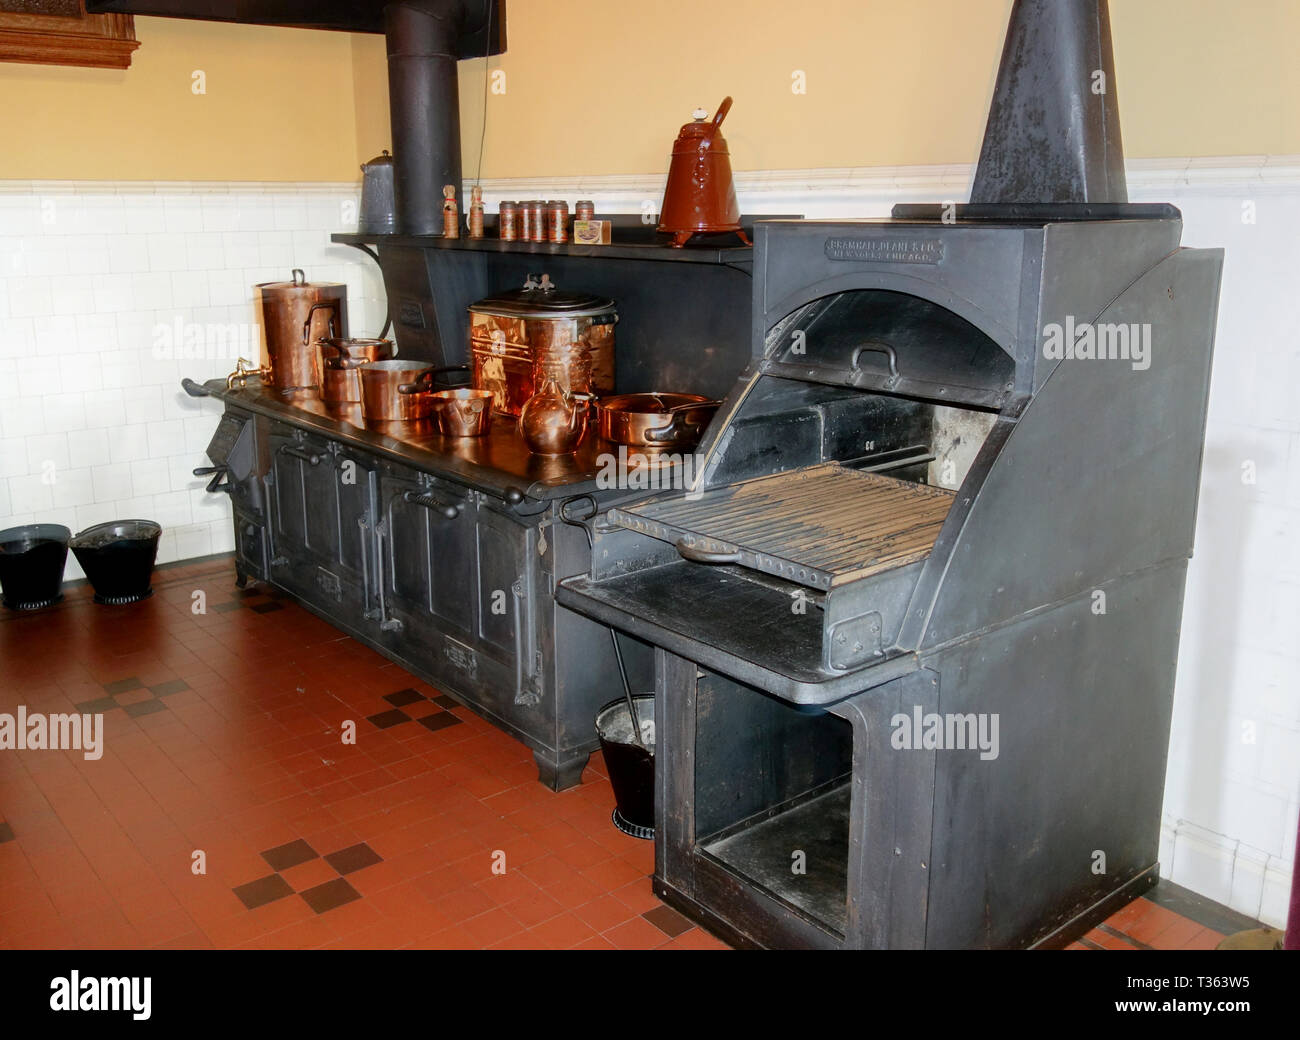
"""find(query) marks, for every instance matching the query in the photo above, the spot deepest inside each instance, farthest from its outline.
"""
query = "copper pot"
(654, 420)
(701, 192)
(341, 363)
(399, 390)
(295, 315)
(463, 412)
(515, 332)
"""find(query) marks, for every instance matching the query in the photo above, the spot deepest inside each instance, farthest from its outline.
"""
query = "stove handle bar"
(878, 348)
(218, 475)
(448, 510)
(697, 554)
(312, 458)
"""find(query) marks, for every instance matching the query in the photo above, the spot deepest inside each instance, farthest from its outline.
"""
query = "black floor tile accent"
(443, 701)
(439, 720)
(403, 697)
(266, 608)
(1205, 912)
(386, 719)
(98, 706)
(355, 857)
(282, 857)
(7, 834)
(144, 708)
(668, 921)
(263, 890)
(122, 685)
(169, 687)
(226, 608)
(330, 895)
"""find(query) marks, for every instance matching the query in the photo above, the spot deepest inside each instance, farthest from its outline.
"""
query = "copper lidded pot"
(515, 332)
(295, 315)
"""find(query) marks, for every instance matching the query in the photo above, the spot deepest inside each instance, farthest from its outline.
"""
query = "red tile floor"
(222, 735)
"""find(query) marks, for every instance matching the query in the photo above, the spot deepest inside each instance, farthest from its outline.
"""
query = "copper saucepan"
(341, 363)
(399, 390)
(654, 420)
(463, 412)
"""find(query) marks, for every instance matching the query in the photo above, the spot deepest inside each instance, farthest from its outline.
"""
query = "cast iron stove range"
(889, 712)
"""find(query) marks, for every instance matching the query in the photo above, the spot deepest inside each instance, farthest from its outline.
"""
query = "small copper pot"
(341, 360)
(463, 412)
(399, 390)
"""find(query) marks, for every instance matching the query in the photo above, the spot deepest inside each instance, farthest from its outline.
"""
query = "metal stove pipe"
(1053, 129)
(425, 39)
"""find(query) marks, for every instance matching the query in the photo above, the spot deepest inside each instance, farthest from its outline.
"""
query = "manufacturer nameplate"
(886, 249)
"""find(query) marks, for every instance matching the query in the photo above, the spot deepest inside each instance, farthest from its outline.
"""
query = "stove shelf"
(650, 248)
(759, 852)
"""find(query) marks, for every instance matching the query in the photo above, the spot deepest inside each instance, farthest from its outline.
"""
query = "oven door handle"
(878, 348)
(697, 554)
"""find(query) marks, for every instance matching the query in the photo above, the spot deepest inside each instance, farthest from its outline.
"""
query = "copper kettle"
(701, 193)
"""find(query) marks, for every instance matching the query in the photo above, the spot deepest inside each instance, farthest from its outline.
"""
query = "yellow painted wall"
(279, 107)
(600, 87)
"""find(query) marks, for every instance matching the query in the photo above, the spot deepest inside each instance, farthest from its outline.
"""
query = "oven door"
(322, 518)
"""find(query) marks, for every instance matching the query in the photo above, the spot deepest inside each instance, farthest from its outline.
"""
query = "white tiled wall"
(94, 425)
(89, 272)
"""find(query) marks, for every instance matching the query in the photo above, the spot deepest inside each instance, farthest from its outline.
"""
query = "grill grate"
(824, 525)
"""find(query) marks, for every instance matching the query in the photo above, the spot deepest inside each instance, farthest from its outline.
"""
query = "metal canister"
(557, 221)
(525, 221)
(537, 220)
(506, 221)
(584, 210)
(295, 315)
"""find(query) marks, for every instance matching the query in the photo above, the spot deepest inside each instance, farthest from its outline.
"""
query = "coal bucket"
(118, 559)
(31, 565)
(631, 767)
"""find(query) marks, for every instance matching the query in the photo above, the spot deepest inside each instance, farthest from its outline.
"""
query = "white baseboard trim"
(1258, 173)
(1247, 879)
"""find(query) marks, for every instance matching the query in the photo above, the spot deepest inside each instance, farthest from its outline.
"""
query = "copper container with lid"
(295, 315)
(515, 332)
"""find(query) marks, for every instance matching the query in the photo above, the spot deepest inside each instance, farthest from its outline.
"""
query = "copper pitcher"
(295, 315)
(701, 193)
(554, 419)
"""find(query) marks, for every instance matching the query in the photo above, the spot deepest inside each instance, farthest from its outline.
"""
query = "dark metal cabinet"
(322, 515)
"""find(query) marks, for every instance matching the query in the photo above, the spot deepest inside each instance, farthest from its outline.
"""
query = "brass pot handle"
(306, 325)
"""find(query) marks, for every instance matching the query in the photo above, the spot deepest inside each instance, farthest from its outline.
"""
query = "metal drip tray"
(822, 526)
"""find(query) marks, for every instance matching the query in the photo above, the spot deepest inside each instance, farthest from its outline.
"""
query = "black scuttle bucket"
(118, 559)
(631, 767)
(31, 565)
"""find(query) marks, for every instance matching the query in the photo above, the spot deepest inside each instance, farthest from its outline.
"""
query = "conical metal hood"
(1053, 129)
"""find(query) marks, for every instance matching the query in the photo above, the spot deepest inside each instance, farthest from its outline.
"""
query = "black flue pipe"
(1053, 128)
(425, 39)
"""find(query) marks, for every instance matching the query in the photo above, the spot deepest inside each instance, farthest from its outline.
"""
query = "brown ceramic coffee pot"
(701, 193)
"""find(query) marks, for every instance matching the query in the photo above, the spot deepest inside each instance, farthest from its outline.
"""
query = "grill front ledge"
(743, 628)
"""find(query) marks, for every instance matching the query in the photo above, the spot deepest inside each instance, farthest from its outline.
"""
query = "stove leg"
(560, 772)
(241, 579)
